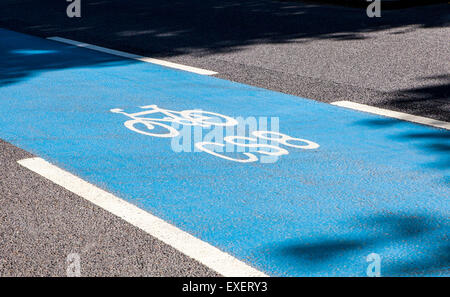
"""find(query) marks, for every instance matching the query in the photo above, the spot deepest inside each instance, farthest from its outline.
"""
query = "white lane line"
(393, 114)
(132, 56)
(189, 245)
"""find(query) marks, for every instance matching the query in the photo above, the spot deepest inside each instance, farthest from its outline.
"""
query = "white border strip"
(189, 245)
(394, 114)
(132, 56)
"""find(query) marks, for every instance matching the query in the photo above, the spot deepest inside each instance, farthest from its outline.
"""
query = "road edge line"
(208, 255)
(133, 56)
(393, 114)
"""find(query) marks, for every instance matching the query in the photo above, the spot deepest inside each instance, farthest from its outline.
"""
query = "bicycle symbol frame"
(190, 117)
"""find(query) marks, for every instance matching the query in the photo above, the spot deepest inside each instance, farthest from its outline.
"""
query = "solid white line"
(189, 245)
(132, 56)
(394, 114)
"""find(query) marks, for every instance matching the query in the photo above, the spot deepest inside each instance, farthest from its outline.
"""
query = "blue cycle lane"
(371, 185)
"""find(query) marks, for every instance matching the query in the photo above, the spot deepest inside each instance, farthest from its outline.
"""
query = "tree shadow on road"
(409, 245)
(23, 57)
(431, 100)
(167, 28)
(161, 28)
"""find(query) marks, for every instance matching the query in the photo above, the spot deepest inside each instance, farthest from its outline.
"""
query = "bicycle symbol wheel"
(132, 125)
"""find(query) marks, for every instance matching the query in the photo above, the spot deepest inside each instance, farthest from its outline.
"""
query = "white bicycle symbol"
(141, 123)
(189, 117)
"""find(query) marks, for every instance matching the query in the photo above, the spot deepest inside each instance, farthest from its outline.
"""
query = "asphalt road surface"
(325, 53)
(42, 223)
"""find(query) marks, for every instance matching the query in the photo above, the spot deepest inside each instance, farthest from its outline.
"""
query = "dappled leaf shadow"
(432, 100)
(161, 28)
(19, 61)
(322, 250)
(435, 143)
(383, 232)
(167, 28)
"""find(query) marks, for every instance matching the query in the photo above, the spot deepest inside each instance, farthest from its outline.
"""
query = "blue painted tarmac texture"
(374, 185)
